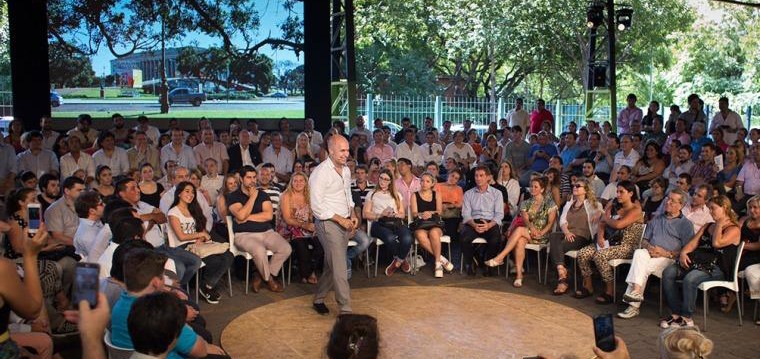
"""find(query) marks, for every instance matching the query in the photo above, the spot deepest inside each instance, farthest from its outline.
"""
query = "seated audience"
(661, 244)
(648, 167)
(103, 183)
(652, 204)
(709, 255)
(705, 170)
(385, 208)
(538, 215)
(427, 206)
(252, 215)
(297, 226)
(579, 223)
(37, 159)
(750, 262)
(697, 211)
(187, 227)
(142, 152)
(110, 155)
(150, 190)
(156, 323)
(625, 221)
(507, 178)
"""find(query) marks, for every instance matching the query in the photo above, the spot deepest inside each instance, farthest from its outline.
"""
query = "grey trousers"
(334, 240)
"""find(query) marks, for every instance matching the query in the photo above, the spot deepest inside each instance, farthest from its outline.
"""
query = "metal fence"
(6, 96)
(481, 111)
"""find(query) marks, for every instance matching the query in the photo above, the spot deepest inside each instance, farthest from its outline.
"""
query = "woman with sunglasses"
(579, 222)
(383, 206)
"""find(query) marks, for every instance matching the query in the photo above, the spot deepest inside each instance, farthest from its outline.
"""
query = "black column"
(29, 60)
(316, 19)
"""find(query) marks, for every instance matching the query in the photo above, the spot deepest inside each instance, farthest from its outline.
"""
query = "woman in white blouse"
(508, 178)
(188, 226)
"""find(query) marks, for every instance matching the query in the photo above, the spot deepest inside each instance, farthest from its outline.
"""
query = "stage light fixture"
(594, 14)
(623, 17)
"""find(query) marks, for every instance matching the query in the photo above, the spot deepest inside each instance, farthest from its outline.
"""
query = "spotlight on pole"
(623, 17)
(594, 14)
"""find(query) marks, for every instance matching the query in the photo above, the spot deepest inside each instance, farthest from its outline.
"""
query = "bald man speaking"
(336, 223)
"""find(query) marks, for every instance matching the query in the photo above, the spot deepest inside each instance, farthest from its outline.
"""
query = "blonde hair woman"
(426, 205)
(684, 343)
(297, 225)
(579, 223)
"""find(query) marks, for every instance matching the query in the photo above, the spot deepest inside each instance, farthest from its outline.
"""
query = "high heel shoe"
(493, 263)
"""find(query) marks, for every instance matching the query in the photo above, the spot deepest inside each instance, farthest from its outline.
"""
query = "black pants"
(492, 236)
(305, 256)
(557, 240)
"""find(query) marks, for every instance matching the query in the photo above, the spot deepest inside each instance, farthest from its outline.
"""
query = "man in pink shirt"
(407, 183)
(379, 148)
(679, 135)
(628, 114)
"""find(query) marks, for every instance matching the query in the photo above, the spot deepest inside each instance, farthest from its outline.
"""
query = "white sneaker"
(629, 312)
(447, 266)
(438, 270)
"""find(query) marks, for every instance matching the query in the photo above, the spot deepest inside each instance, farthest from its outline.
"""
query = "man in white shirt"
(315, 137)
(335, 223)
(77, 160)
(211, 149)
(49, 137)
(89, 208)
(626, 156)
(697, 211)
(37, 159)
(360, 129)
(610, 192)
(596, 183)
(142, 153)
(110, 155)
(280, 157)
(431, 150)
(518, 116)
(253, 131)
(178, 151)
(411, 151)
(727, 120)
(150, 131)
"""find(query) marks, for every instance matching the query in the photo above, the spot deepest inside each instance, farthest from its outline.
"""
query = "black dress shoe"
(470, 270)
(321, 308)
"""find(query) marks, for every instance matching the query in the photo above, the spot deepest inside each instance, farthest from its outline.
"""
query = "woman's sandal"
(604, 299)
(582, 293)
(562, 287)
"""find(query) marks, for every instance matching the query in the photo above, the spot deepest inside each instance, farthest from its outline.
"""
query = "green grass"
(189, 114)
(111, 93)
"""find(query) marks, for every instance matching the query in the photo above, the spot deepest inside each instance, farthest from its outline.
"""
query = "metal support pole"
(369, 108)
(612, 62)
(500, 109)
(438, 113)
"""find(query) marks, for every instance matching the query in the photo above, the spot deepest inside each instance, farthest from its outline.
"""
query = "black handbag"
(704, 260)
(391, 222)
(427, 224)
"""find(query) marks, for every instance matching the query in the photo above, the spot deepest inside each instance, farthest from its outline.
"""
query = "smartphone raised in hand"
(34, 213)
(604, 332)
(86, 283)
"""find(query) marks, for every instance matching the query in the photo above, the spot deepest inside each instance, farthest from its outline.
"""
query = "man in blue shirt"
(482, 213)
(571, 150)
(146, 278)
(664, 237)
(538, 157)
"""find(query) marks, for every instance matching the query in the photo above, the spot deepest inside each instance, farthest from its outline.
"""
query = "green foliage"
(292, 80)
(67, 70)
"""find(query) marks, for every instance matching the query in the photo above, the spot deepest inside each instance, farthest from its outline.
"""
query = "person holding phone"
(385, 208)
(22, 297)
(626, 219)
(482, 214)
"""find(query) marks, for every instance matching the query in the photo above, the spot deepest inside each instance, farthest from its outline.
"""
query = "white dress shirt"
(118, 161)
(432, 153)
(283, 161)
(185, 157)
(85, 236)
(69, 165)
(413, 153)
(330, 192)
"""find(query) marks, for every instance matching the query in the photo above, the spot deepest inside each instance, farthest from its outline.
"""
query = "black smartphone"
(604, 332)
(86, 283)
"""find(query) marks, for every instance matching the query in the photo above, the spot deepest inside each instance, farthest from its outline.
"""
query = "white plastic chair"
(378, 243)
(248, 257)
(115, 352)
(475, 241)
(444, 239)
(730, 285)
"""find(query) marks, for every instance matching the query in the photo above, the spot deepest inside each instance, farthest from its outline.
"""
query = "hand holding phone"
(604, 332)
(34, 214)
(86, 284)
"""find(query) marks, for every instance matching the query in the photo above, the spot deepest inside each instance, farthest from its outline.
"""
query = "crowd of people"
(152, 208)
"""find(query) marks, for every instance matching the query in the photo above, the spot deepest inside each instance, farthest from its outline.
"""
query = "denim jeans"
(396, 242)
(685, 305)
(186, 262)
(362, 243)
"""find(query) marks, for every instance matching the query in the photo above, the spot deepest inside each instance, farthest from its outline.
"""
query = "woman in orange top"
(452, 198)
